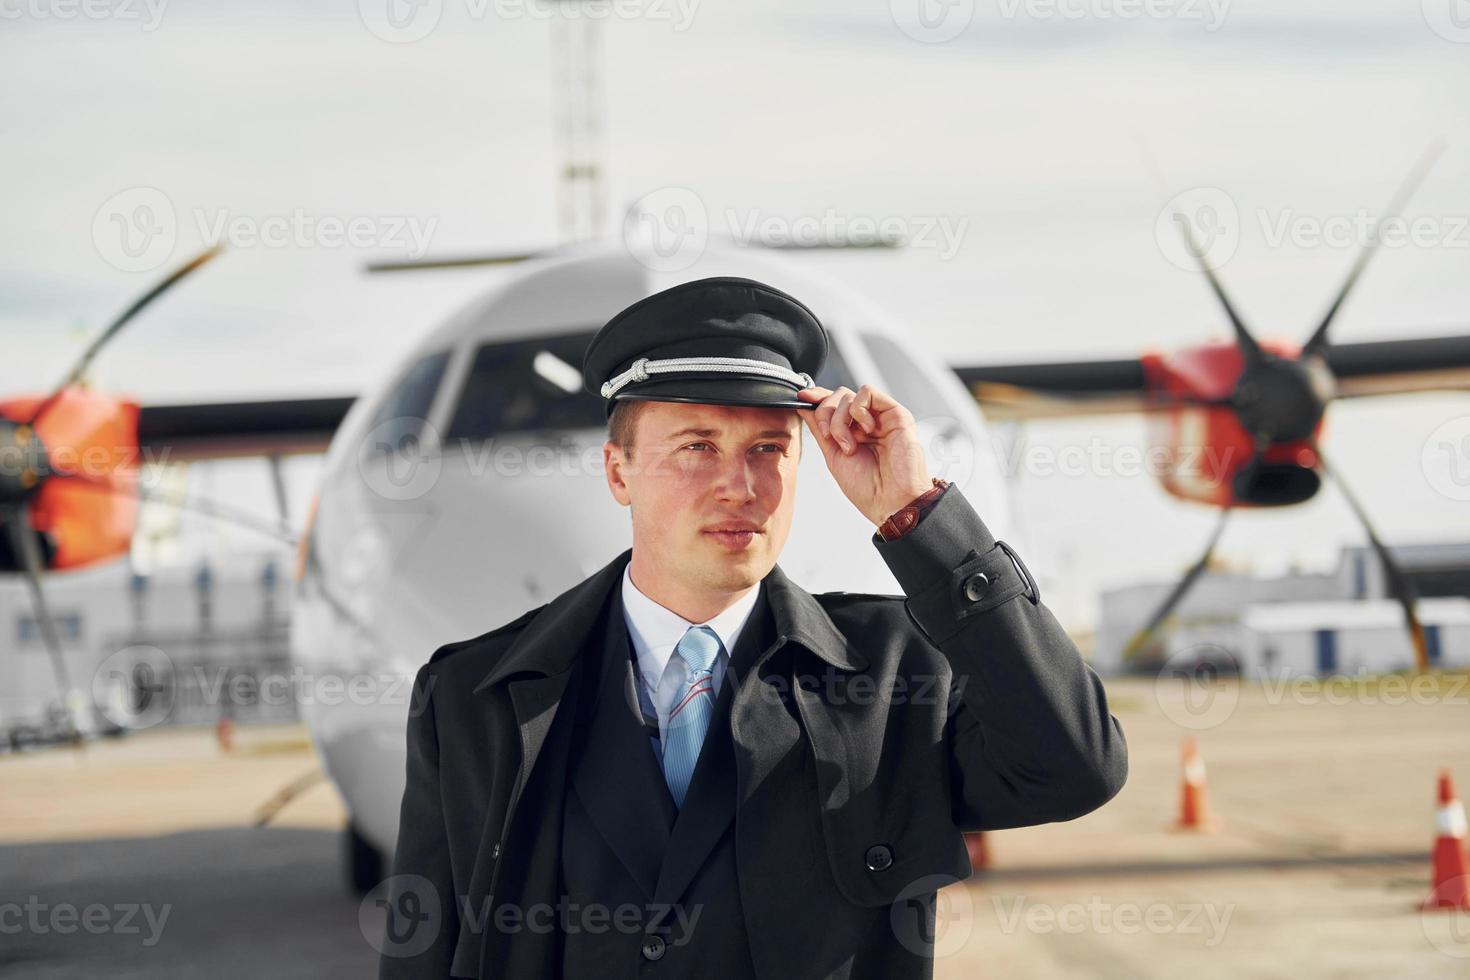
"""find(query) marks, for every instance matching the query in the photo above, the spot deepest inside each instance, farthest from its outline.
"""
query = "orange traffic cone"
(1194, 800)
(1451, 889)
(979, 851)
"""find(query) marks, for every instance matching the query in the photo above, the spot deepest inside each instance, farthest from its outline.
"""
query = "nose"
(736, 480)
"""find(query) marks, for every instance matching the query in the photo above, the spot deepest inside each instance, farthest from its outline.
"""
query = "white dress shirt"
(655, 631)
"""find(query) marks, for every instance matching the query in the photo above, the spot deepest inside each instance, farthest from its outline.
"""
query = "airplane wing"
(180, 433)
(1065, 389)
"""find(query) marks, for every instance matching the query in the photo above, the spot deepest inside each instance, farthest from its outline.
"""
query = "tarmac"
(1324, 795)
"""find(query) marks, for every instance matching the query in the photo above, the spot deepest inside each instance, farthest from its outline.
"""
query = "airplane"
(467, 488)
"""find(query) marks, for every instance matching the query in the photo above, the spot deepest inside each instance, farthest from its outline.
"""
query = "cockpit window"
(535, 384)
(405, 411)
(834, 373)
(526, 385)
(906, 380)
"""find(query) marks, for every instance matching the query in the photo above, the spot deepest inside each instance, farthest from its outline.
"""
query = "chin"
(738, 571)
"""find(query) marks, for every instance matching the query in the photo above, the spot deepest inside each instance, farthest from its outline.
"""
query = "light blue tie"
(689, 719)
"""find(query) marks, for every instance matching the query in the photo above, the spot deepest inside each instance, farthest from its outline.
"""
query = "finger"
(826, 409)
(884, 406)
(814, 394)
(825, 443)
(817, 420)
(842, 422)
(860, 412)
(880, 400)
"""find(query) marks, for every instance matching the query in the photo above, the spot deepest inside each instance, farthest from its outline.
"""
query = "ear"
(614, 467)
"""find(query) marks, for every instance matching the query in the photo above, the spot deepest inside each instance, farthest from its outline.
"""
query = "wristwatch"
(907, 518)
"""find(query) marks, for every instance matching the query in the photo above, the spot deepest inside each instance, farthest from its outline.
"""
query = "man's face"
(697, 470)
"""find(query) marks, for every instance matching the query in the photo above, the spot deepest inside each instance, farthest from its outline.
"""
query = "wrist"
(903, 520)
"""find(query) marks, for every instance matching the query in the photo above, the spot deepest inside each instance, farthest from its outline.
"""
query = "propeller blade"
(1141, 638)
(231, 515)
(116, 325)
(1249, 348)
(210, 508)
(1400, 201)
(27, 551)
(1403, 588)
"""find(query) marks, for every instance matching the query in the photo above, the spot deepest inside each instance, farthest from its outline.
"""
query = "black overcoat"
(867, 737)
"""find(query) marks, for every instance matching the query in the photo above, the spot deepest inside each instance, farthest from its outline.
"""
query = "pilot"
(686, 765)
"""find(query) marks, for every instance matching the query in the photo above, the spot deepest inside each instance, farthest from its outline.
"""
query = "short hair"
(623, 422)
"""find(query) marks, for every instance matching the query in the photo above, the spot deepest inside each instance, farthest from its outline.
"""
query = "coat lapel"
(534, 672)
(617, 776)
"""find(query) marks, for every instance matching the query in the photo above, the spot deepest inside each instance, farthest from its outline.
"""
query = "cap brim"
(715, 391)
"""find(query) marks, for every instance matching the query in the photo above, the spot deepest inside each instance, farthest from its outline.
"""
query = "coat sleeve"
(1029, 736)
(422, 917)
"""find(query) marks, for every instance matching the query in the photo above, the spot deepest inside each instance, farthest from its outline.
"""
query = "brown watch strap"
(907, 517)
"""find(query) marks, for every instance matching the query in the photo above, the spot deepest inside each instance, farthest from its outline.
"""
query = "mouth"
(734, 536)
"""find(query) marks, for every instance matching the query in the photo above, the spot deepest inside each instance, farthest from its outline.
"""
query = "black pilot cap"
(724, 317)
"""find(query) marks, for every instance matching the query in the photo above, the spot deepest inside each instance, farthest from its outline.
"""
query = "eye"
(772, 445)
(693, 444)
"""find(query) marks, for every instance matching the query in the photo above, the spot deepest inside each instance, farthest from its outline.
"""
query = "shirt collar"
(550, 638)
(655, 630)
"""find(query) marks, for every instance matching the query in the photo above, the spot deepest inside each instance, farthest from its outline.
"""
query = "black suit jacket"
(869, 735)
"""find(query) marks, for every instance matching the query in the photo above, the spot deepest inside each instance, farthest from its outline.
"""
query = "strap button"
(976, 586)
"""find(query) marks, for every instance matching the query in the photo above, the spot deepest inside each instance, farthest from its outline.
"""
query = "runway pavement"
(1325, 798)
(221, 903)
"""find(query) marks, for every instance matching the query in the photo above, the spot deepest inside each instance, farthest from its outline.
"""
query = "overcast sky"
(1023, 128)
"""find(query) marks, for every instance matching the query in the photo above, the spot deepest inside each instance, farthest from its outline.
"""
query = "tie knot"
(699, 647)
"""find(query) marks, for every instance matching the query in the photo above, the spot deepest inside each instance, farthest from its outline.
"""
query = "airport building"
(1301, 624)
(186, 633)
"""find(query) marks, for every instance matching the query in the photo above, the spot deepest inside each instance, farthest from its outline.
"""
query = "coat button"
(653, 948)
(976, 586)
(879, 857)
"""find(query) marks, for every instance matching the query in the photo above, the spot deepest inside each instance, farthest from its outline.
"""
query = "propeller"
(26, 548)
(115, 327)
(221, 512)
(19, 485)
(1399, 584)
(1318, 339)
(1282, 400)
(1142, 637)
